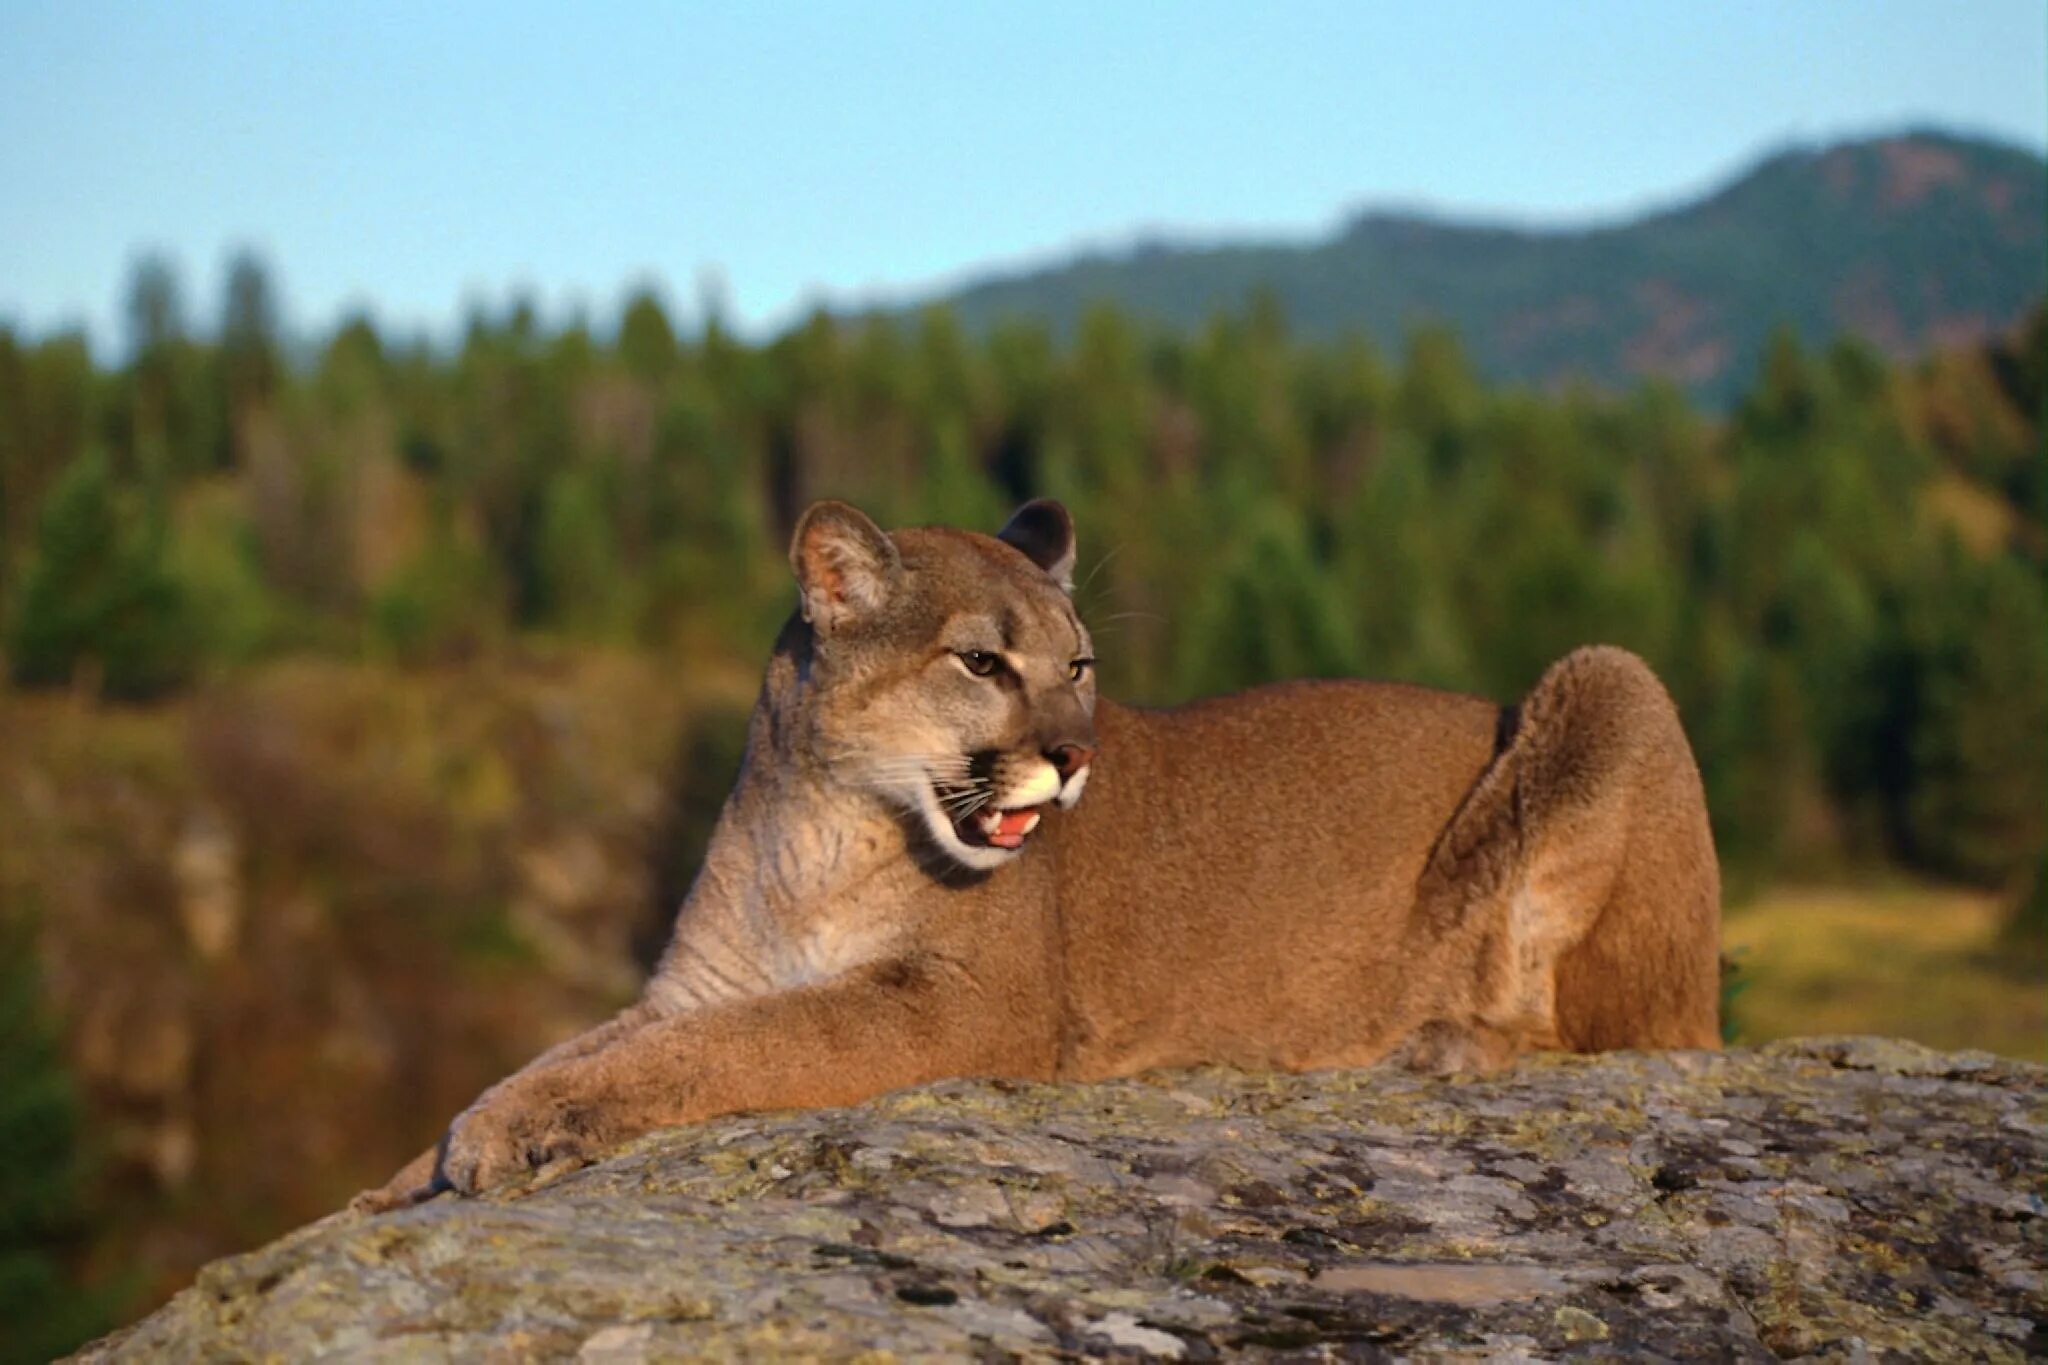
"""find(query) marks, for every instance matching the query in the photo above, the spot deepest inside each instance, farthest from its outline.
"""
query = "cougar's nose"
(1069, 759)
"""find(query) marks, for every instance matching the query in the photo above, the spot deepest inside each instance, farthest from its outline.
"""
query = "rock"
(206, 865)
(1840, 1197)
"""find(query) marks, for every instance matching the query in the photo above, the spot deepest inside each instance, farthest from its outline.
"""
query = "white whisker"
(1100, 564)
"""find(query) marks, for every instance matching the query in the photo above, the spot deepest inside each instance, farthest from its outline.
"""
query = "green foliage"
(2026, 930)
(248, 331)
(647, 344)
(581, 584)
(234, 615)
(1735, 982)
(1391, 557)
(442, 605)
(1841, 582)
(97, 594)
(1266, 610)
(1976, 738)
(43, 1313)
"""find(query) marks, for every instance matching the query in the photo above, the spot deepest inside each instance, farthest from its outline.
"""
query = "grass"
(1902, 959)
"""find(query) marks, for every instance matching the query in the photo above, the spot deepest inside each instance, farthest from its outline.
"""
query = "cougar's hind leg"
(1575, 868)
(1648, 975)
(1645, 969)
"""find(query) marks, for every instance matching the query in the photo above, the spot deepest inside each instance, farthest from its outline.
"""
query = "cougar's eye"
(1078, 669)
(979, 662)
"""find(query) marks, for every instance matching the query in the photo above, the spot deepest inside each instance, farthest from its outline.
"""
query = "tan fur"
(1304, 875)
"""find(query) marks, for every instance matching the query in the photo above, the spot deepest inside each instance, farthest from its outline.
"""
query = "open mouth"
(988, 812)
(992, 828)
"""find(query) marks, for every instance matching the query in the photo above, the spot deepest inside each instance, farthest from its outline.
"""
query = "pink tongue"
(1011, 828)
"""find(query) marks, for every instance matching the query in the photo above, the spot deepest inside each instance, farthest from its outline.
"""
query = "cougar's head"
(949, 673)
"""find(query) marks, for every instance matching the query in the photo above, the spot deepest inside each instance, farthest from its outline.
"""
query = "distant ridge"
(1910, 242)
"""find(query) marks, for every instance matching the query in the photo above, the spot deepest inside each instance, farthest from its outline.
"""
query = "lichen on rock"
(1826, 1196)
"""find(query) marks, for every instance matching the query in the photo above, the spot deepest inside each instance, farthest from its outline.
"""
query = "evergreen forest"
(1841, 579)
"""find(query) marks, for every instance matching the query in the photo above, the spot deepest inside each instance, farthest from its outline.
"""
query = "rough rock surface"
(1838, 1197)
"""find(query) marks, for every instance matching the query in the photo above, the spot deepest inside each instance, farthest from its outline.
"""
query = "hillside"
(1910, 242)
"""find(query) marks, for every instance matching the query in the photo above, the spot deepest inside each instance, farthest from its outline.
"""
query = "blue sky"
(416, 158)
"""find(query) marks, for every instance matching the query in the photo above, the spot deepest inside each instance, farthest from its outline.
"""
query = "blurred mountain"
(1909, 242)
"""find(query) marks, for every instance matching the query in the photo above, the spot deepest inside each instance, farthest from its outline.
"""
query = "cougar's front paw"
(515, 1133)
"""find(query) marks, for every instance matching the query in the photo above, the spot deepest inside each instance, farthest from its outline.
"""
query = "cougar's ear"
(845, 566)
(1045, 533)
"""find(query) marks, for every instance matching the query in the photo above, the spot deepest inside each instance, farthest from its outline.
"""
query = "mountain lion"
(945, 856)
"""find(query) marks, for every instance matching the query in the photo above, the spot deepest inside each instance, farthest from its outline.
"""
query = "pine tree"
(1394, 564)
(97, 594)
(43, 1313)
(582, 584)
(1787, 399)
(1267, 612)
(2026, 930)
(156, 316)
(168, 422)
(1978, 747)
(647, 344)
(248, 331)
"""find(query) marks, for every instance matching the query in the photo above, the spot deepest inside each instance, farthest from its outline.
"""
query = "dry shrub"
(293, 924)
